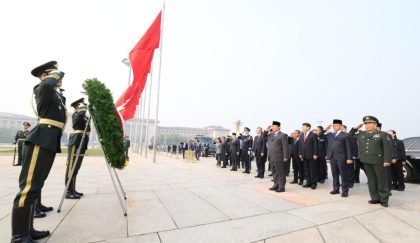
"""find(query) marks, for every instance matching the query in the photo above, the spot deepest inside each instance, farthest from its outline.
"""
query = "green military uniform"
(19, 139)
(79, 120)
(40, 147)
(374, 150)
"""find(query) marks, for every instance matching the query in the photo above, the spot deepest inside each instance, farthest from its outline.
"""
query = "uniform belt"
(81, 131)
(51, 122)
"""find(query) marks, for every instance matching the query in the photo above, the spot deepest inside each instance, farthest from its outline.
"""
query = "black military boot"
(21, 218)
(42, 207)
(70, 192)
(37, 212)
(35, 234)
(80, 194)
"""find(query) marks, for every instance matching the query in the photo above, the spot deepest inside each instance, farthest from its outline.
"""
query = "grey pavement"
(178, 201)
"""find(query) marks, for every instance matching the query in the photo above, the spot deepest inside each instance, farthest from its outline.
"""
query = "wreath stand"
(112, 172)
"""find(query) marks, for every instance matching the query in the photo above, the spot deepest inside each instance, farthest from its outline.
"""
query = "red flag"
(141, 57)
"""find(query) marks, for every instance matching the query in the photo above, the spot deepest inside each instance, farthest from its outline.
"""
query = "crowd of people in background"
(199, 149)
(304, 154)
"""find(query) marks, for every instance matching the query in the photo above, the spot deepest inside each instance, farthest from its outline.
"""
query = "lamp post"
(128, 64)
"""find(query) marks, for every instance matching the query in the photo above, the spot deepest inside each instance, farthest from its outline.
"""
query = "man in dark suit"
(297, 164)
(350, 167)
(339, 153)
(185, 148)
(223, 152)
(234, 152)
(322, 152)
(398, 157)
(260, 151)
(356, 161)
(278, 154)
(228, 156)
(197, 148)
(308, 152)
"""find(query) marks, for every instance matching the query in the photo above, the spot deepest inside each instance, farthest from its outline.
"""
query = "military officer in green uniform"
(375, 153)
(79, 120)
(39, 150)
(20, 138)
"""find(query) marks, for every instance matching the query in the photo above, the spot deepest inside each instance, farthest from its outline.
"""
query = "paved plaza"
(183, 202)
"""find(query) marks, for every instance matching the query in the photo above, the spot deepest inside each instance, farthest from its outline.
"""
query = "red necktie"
(304, 138)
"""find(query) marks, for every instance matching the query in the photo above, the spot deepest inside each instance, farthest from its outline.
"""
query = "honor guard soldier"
(40, 148)
(375, 153)
(19, 139)
(79, 120)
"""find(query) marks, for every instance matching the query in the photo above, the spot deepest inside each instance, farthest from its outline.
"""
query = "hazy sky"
(223, 60)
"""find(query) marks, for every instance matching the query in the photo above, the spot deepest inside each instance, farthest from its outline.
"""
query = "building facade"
(212, 131)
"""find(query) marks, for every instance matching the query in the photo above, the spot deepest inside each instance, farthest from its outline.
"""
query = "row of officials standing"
(38, 148)
(378, 153)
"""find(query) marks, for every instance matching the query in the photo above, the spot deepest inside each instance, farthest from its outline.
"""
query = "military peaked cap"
(77, 102)
(370, 119)
(46, 67)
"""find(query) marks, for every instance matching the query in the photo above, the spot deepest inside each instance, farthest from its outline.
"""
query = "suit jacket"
(295, 149)
(398, 149)
(339, 148)
(260, 146)
(278, 146)
(223, 147)
(235, 146)
(354, 148)
(308, 148)
(51, 105)
(197, 147)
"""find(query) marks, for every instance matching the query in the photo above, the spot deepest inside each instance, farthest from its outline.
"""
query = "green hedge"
(105, 117)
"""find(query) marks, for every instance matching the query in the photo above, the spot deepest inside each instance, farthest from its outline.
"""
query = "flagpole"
(126, 62)
(138, 122)
(142, 120)
(158, 87)
(148, 112)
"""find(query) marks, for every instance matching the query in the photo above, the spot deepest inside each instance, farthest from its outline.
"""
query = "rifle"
(14, 156)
